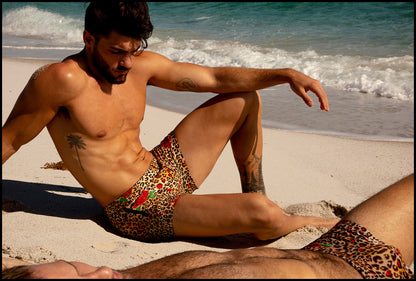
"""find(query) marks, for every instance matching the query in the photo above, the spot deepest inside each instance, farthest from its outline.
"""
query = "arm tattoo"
(39, 71)
(187, 84)
(252, 176)
(77, 143)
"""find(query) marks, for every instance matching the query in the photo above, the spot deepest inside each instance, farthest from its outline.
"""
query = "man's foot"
(293, 222)
(323, 222)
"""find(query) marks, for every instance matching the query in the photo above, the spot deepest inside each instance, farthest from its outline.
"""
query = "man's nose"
(126, 62)
(101, 273)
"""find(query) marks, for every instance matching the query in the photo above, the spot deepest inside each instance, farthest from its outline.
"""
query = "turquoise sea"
(362, 52)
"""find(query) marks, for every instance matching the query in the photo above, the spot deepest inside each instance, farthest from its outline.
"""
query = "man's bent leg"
(203, 134)
(224, 214)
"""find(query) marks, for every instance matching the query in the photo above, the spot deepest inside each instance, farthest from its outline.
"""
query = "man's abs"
(107, 180)
(105, 167)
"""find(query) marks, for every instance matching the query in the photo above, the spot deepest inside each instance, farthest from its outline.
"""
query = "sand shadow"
(62, 201)
(234, 241)
(52, 200)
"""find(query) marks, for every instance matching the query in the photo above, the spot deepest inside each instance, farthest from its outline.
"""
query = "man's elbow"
(8, 148)
(6, 153)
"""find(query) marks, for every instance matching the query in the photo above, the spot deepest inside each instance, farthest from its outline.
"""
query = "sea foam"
(31, 28)
(384, 77)
(31, 22)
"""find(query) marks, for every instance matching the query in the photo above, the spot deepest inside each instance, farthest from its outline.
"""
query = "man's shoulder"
(70, 68)
(150, 58)
(66, 76)
(150, 63)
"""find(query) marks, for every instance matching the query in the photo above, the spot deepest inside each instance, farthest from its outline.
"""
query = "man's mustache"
(122, 68)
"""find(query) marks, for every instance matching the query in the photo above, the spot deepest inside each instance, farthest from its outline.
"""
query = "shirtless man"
(349, 250)
(93, 102)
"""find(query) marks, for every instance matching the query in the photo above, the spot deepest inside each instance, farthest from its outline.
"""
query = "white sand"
(56, 219)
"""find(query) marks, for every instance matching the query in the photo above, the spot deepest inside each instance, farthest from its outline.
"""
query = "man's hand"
(301, 84)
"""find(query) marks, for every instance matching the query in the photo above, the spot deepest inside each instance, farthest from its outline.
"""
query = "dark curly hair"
(17, 272)
(129, 18)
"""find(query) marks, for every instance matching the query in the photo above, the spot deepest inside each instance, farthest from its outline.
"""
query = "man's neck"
(105, 86)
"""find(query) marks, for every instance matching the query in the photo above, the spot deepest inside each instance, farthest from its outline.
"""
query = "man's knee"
(250, 100)
(253, 99)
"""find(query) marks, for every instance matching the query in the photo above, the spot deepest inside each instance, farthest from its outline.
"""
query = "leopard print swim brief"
(145, 211)
(372, 258)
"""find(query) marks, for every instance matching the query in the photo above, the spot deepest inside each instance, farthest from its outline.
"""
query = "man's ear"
(89, 39)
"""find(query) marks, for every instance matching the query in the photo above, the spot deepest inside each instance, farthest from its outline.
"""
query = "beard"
(105, 70)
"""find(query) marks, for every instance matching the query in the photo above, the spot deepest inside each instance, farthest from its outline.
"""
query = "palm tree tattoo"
(77, 143)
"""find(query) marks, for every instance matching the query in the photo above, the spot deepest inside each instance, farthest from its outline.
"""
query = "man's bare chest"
(103, 115)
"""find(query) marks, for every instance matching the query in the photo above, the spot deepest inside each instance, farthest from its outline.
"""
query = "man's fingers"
(324, 104)
(323, 100)
(320, 93)
(305, 97)
(302, 87)
(308, 100)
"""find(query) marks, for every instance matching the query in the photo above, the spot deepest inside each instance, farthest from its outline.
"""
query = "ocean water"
(361, 52)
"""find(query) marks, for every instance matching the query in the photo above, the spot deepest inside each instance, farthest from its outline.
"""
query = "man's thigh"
(207, 215)
(203, 134)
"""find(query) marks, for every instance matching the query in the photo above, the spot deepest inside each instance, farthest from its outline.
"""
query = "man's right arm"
(36, 106)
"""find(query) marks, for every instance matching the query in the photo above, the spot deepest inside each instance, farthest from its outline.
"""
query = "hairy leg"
(389, 216)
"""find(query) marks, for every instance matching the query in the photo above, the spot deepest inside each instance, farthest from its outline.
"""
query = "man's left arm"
(191, 77)
(232, 79)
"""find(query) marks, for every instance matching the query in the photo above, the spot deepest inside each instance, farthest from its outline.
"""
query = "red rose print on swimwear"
(167, 142)
(127, 193)
(123, 197)
(142, 198)
(174, 203)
